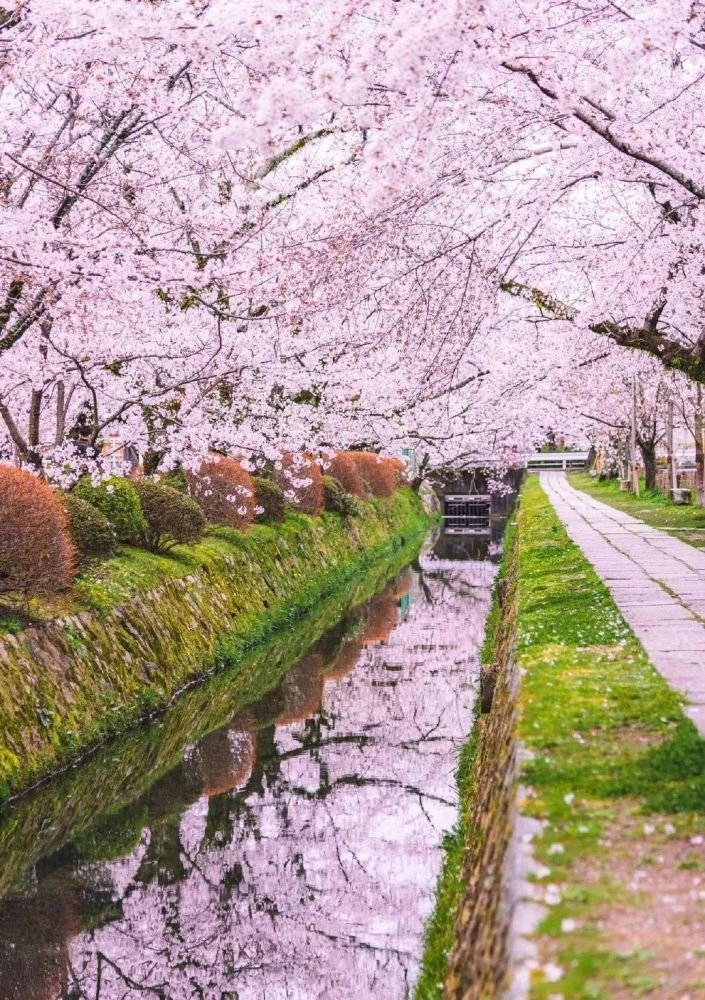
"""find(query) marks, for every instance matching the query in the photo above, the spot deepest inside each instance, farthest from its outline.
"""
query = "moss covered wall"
(114, 780)
(477, 964)
(73, 680)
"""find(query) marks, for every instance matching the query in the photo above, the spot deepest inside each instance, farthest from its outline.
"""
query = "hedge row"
(47, 533)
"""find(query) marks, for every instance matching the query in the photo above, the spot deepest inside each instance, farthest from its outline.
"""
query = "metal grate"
(466, 513)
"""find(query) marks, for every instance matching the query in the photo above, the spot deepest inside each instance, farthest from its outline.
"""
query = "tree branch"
(646, 338)
(605, 132)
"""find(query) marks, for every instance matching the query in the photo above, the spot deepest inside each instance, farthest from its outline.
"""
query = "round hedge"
(117, 499)
(224, 491)
(270, 498)
(172, 518)
(301, 481)
(343, 467)
(379, 476)
(177, 479)
(37, 554)
(91, 531)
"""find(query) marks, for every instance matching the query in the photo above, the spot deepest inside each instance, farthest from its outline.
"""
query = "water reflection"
(292, 853)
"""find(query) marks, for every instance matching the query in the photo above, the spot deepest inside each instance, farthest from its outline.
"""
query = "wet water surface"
(291, 853)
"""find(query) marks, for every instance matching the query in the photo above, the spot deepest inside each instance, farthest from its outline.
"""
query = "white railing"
(557, 460)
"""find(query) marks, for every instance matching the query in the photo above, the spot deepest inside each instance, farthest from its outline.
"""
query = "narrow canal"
(292, 852)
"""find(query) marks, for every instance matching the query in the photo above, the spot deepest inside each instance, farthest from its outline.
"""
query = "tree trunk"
(648, 454)
(25, 453)
(672, 473)
(420, 473)
(35, 416)
(699, 451)
(60, 412)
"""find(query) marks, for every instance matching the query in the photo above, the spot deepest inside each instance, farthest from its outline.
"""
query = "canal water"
(293, 851)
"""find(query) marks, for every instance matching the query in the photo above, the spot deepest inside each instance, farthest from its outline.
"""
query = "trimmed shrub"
(343, 467)
(117, 499)
(301, 481)
(36, 551)
(172, 518)
(270, 497)
(338, 500)
(224, 491)
(91, 531)
(177, 479)
(378, 474)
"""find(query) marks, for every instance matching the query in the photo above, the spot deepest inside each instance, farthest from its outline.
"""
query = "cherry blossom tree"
(297, 226)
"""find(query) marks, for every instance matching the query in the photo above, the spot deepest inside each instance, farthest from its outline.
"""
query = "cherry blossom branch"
(605, 132)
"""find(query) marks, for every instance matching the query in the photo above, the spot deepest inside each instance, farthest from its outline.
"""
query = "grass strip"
(616, 776)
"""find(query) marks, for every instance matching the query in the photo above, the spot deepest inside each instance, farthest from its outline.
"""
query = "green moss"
(10, 625)
(148, 624)
(439, 932)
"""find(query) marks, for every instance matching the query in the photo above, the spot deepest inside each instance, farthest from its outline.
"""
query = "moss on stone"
(141, 626)
(111, 787)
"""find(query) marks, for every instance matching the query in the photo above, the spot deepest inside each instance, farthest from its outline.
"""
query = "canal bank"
(133, 639)
(584, 812)
(292, 849)
(92, 804)
(465, 949)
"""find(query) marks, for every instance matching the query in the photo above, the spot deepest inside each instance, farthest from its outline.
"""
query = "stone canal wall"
(478, 960)
(68, 683)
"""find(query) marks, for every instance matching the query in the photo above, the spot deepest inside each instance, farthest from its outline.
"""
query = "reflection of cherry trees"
(294, 853)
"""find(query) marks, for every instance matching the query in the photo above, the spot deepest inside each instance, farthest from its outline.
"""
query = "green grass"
(107, 583)
(235, 592)
(438, 935)
(686, 523)
(608, 740)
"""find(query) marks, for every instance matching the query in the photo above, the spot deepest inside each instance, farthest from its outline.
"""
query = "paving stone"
(697, 714)
(697, 607)
(650, 614)
(646, 597)
(673, 636)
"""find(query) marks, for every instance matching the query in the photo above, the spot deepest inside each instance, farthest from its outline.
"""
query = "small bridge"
(557, 460)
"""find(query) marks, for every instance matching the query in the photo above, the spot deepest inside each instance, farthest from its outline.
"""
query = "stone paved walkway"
(657, 581)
